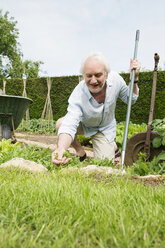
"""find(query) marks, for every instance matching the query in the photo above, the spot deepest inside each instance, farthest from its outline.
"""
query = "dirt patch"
(152, 180)
(41, 138)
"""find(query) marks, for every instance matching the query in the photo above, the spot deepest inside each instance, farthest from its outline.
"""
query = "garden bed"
(50, 141)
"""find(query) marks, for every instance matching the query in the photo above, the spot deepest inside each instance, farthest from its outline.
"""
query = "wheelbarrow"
(142, 142)
(12, 110)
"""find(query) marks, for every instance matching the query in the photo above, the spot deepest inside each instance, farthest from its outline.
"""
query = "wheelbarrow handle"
(156, 58)
(147, 147)
(153, 94)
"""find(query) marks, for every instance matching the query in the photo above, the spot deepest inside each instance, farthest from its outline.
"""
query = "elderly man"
(91, 109)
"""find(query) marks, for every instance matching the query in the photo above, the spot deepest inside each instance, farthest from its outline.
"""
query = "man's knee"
(102, 147)
(58, 123)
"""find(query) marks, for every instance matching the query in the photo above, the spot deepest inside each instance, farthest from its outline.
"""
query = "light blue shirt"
(95, 117)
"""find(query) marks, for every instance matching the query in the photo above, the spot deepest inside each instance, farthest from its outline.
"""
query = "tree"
(10, 54)
(31, 69)
(11, 64)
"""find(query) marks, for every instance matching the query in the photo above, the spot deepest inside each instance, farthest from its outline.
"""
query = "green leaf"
(157, 142)
(163, 141)
(161, 132)
(161, 156)
(161, 127)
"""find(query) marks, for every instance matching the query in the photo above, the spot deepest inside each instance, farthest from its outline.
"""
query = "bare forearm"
(135, 86)
(134, 64)
(135, 89)
(64, 141)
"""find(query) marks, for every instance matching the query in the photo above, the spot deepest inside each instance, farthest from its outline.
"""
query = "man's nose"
(93, 79)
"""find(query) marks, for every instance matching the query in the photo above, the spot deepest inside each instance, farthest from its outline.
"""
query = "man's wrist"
(135, 81)
(60, 149)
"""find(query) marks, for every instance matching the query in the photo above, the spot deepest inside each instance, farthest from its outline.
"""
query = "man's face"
(95, 75)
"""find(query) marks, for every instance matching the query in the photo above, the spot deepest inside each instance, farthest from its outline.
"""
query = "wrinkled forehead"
(93, 65)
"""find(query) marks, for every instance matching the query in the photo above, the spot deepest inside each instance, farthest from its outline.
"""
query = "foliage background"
(62, 87)
(140, 110)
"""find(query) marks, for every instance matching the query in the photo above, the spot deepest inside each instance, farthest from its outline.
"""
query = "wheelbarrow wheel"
(6, 132)
(136, 144)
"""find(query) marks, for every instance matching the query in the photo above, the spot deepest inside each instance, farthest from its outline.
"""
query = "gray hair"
(96, 55)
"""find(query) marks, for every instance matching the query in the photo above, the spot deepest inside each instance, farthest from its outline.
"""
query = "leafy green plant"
(33, 153)
(141, 167)
(133, 129)
(34, 126)
(159, 127)
(85, 141)
(8, 150)
(156, 166)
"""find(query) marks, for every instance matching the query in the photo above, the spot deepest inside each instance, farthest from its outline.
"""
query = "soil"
(50, 141)
(39, 138)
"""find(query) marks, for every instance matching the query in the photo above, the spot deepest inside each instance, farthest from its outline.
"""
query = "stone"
(24, 164)
(93, 169)
(108, 171)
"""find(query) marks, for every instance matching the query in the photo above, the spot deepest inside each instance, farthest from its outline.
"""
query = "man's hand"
(134, 64)
(59, 158)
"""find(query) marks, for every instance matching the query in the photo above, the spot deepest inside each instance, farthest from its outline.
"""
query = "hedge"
(62, 87)
(140, 110)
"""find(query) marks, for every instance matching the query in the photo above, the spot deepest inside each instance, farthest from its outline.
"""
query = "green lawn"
(70, 210)
(63, 210)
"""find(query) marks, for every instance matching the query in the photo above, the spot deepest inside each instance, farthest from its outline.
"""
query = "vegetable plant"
(159, 127)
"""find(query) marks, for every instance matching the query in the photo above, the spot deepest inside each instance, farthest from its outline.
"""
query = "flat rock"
(150, 177)
(95, 169)
(24, 164)
(100, 169)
